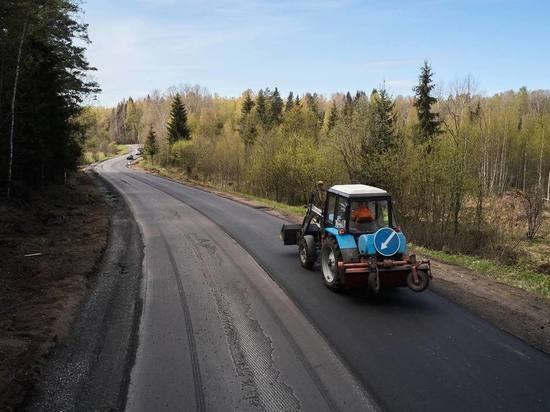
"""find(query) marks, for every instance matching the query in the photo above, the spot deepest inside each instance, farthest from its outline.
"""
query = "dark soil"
(50, 244)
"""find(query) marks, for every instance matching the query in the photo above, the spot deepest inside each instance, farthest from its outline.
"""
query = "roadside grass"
(175, 173)
(522, 275)
(88, 157)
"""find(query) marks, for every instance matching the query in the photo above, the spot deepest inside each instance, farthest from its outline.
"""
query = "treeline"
(446, 159)
(42, 84)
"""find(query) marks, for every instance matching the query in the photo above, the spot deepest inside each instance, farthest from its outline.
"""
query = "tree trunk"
(13, 99)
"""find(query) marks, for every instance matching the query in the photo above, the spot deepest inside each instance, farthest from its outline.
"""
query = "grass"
(522, 275)
(101, 156)
(176, 174)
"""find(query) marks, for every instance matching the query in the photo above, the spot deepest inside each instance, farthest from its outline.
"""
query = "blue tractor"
(353, 232)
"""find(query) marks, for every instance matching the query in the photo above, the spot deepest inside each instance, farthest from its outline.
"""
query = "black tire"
(423, 281)
(374, 283)
(306, 252)
(330, 256)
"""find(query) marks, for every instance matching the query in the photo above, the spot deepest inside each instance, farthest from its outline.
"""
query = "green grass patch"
(176, 174)
(89, 158)
(522, 275)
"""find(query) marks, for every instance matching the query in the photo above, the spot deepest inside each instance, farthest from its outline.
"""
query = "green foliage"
(177, 125)
(151, 148)
(522, 275)
(289, 102)
(45, 65)
(185, 154)
(429, 125)
(446, 187)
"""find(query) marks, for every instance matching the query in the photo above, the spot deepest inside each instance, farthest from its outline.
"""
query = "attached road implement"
(354, 233)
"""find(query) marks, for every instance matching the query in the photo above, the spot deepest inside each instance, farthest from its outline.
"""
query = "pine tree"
(276, 108)
(248, 104)
(333, 117)
(289, 102)
(297, 101)
(261, 109)
(177, 126)
(382, 121)
(429, 126)
(348, 105)
(151, 147)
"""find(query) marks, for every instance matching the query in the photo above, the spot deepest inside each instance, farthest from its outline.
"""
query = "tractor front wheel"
(330, 256)
(307, 252)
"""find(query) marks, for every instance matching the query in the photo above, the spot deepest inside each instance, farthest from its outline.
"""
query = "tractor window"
(367, 216)
(340, 218)
(331, 204)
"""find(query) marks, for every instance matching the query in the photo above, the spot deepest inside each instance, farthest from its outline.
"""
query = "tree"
(276, 108)
(248, 104)
(382, 121)
(289, 102)
(429, 126)
(333, 117)
(262, 109)
(151, 145)
(43, 76)
(177, 126)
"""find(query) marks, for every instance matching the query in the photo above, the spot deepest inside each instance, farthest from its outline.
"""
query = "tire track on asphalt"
(197, 378)
(310, 370)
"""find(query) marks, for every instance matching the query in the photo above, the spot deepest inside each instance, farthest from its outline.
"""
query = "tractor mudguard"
(347, 245)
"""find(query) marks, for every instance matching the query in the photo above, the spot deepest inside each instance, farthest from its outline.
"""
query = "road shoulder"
(89, 370)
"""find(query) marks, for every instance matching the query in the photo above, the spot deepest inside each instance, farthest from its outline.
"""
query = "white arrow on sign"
(386, 242)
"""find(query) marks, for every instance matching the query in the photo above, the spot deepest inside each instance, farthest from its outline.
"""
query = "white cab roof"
(357, 190)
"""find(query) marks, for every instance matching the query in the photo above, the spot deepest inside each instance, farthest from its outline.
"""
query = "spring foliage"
(444, 158)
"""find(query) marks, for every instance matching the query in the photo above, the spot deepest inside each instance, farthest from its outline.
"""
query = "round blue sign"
(386, 241)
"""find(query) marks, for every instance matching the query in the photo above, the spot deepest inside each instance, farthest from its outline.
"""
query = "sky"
(323, 46)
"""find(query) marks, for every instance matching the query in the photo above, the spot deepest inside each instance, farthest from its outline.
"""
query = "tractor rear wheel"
(330, 256)
(307, 252)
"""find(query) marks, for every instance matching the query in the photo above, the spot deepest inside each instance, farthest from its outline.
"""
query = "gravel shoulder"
(51, 244)
(89, 370)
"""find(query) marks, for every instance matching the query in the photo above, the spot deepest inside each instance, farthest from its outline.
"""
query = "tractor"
(354, 234)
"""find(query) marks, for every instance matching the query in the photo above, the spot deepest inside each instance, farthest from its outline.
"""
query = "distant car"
(130, 157)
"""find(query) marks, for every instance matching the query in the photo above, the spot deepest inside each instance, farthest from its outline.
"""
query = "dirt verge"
(50, 244)
(516, 311)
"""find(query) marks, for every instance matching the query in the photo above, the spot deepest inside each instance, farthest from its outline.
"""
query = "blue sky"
(320, 46)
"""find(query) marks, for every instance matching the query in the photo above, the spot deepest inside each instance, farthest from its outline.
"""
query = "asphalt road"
(231, 321)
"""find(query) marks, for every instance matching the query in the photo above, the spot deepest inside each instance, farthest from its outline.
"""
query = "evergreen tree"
(289, 102)
(297, 101)
(261, 109)
(333, 117)
(276, 108)
(43, 81)
(151, 147)
(247, 126)
(382, 121)
(348, 105)
(177, 126)
(248, 104)
(429, 126)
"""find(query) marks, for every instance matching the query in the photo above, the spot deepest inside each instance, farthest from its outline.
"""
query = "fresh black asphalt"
(411, 351)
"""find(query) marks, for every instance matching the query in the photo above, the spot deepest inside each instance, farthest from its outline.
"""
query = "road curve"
(216, 332)
(211, 310)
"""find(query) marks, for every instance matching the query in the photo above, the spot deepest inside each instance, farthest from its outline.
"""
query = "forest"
(469, 173)
(43, 83)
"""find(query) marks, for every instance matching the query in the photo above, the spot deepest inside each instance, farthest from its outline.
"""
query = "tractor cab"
(358, 209)
(354, 235)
